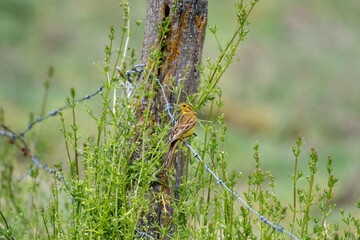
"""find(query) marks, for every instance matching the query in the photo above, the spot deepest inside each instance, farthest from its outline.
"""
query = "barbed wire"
(168, 105)
(196, 155)
(144, 234)
(261, 217)
(139, 69)
(12, 139)
(127, 76)
(12, 136)
(56, 111)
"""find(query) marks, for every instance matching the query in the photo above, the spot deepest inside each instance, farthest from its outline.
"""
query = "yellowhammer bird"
(183, 128)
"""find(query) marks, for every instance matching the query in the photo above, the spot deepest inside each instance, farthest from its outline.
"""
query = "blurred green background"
(298, 73)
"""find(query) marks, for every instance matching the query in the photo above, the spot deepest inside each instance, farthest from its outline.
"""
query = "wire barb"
(144, 234)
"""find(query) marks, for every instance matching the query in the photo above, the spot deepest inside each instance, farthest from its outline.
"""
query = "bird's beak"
(179, 106)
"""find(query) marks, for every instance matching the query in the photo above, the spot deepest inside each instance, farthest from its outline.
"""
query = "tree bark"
(181, 56)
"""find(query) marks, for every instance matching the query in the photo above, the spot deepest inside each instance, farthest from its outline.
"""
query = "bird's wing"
(183, 125)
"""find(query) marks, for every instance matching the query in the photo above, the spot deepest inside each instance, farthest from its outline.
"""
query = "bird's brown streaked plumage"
(183, 128)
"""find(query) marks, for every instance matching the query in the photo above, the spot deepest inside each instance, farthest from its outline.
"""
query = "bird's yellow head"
(185, 108)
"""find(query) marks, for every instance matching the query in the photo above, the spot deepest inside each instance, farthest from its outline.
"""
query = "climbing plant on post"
(172, 48)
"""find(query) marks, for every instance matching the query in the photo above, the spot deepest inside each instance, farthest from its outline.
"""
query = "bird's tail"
(169, 156)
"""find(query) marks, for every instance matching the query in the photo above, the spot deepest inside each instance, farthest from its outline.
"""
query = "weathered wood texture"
(183, 43)
(182, 52)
